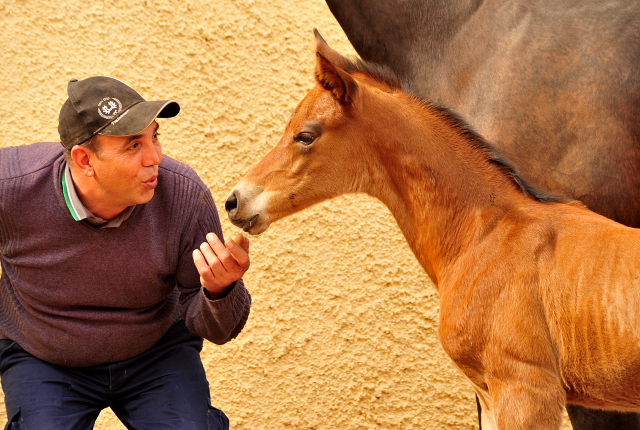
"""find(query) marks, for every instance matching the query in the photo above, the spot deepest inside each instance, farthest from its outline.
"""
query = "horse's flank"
(539, 296)
(554, 84)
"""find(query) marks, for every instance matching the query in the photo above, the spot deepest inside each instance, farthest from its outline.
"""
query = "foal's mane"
(386, 76)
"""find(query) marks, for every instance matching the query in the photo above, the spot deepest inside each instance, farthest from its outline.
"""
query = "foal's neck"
(441, 187)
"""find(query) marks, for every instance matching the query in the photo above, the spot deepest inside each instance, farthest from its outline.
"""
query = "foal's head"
(314, 160)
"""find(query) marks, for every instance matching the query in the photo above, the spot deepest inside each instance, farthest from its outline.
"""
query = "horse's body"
(539, 297)
(555, 84)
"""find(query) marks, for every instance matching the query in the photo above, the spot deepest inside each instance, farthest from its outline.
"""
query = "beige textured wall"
(343, 329)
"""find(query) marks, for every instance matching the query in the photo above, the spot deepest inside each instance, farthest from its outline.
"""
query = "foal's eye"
(305, 138)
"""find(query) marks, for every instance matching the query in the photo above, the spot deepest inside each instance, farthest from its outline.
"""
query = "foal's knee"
(518, 406)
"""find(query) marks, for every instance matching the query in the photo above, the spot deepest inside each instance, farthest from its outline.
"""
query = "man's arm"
(214, 301)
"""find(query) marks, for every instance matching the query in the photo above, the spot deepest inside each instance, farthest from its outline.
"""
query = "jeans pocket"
(15, 422)
(216, 419)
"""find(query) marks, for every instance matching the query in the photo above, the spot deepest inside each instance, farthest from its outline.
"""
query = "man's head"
(107, 106)
(111, 141)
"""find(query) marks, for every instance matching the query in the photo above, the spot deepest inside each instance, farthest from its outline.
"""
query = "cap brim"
(140, 116)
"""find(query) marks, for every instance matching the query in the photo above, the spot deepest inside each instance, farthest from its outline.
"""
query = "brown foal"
(539, 297)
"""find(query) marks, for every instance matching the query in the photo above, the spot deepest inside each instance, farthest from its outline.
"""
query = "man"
(113, 270)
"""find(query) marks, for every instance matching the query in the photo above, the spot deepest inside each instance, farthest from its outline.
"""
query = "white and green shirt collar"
(79, 212)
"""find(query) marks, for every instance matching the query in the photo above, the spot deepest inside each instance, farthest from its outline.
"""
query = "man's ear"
(81, 157)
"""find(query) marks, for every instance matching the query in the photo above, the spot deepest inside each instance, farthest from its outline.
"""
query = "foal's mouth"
(246, 225)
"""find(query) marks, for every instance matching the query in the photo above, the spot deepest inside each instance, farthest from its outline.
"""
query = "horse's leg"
(479, 412)
(521, 405)
(590, 419)
(485, 411)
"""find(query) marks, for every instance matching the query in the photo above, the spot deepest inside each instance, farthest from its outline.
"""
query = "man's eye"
(305, 138)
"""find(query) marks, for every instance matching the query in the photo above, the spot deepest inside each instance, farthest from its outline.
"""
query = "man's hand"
(219, 265)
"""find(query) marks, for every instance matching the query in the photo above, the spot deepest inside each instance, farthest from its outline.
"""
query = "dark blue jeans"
(162, 388)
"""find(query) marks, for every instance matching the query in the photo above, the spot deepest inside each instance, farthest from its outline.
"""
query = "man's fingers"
(221, 252)
(199, 261)
(243, 242)
(231, 257)
(216, 244)
(203, 268)
(220, 264)
(240, 254)
(210, 256)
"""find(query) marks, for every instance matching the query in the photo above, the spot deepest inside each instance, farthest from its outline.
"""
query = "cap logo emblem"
(109, 107)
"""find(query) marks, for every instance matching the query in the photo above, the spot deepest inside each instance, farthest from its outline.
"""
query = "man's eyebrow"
(138, 136)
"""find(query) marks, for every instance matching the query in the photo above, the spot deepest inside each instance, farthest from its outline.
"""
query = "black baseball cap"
(103, 105)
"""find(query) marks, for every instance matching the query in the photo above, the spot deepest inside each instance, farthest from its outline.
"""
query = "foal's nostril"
(231, 205)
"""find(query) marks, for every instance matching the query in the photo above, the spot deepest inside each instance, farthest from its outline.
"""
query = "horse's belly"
(612, 382)
(622, 404)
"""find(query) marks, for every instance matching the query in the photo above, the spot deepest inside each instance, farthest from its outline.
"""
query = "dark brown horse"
(539, 297)
(554, 84)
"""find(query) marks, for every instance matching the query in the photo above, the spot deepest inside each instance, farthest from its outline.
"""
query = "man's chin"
(145, 197)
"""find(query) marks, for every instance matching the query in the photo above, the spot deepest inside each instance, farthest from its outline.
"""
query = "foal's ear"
(340, 83)
(331, 76)
(328, 52)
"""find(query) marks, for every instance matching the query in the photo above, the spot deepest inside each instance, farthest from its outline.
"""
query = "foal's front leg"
(520, 404)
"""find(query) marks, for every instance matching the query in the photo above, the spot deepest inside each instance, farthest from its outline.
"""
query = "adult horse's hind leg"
(583, 418)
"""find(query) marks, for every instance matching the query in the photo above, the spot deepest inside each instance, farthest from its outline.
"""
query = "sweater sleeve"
(219, 320)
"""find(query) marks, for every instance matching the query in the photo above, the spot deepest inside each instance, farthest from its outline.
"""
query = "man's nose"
(152, 154)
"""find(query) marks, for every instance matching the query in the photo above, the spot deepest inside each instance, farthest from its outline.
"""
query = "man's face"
(126, 168)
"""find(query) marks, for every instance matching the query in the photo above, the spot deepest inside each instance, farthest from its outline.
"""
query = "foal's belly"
(613, 382)
(614, 404)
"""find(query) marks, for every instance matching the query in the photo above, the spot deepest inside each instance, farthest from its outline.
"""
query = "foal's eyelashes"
(305, 138)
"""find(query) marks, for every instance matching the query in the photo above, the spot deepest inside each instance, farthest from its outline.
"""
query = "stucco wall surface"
(343, 328)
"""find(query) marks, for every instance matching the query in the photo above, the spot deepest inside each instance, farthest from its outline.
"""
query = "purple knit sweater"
(75, 295)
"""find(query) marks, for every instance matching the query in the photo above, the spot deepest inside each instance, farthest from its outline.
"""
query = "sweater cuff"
(220, 296)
